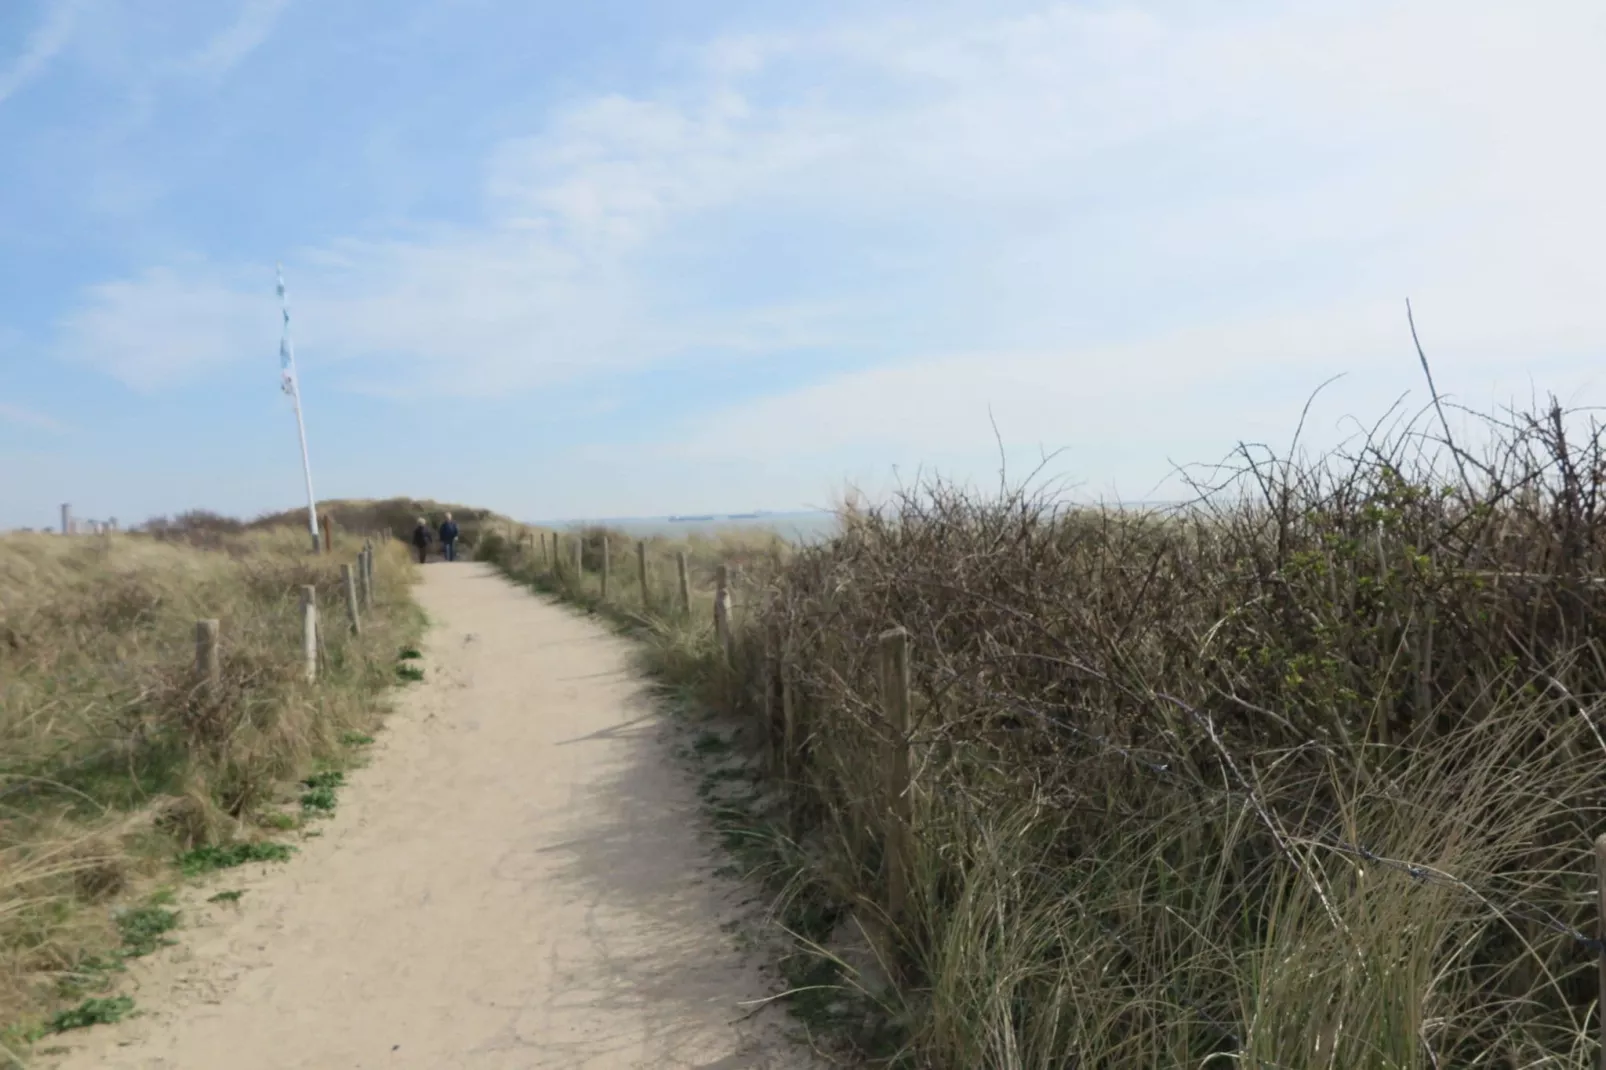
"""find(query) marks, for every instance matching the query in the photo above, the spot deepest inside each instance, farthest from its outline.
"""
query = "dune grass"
(1304, 775)
(118, 773)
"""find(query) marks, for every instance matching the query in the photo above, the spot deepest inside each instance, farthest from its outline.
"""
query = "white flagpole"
(287, 370)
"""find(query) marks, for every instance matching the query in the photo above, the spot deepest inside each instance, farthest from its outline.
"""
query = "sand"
(518, 878)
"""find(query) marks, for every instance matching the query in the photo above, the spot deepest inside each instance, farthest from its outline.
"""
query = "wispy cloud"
(23, 417)
(230, 47)
(1065, 192)
(41, 48)
(164, 325)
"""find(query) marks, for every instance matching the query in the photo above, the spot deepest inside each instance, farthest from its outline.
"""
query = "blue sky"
(629, 257)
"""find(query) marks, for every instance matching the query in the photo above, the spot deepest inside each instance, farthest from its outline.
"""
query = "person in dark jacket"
(449, 537)
(421, 539)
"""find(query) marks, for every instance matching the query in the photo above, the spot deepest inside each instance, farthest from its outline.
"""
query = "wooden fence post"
(772, 675)
(685, 582)
(788, 718)
(208, 665)
(365, 594)
(579, 559)
(641, 572)
(604, 566)
(722, 611)
(328, 531)
(544, 559)
(895, 707)
(1600, 934)
(348, 577)
(309, 631)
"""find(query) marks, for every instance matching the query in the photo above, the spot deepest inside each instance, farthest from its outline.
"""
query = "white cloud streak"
(41, 48)
(166, 325)
(230, 47)
(28, 418)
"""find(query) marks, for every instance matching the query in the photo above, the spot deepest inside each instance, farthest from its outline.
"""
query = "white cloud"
(165, 325)
(230, 46)
(41, 48)
(1102, 203)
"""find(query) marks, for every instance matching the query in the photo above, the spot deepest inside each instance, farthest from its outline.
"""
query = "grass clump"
(410, 673)
(1302, 775)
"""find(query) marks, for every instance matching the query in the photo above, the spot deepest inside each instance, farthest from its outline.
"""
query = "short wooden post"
(327, 529)
(365, 597)
(722, 611)
(895, 708)
(545, 561)
(208, 666)
(1600, 934)
(604, 567)
(579, 559)
(788, 717)
(685, 582)
(641, 573)
(348, 577)
(771, 683)
(309, 631)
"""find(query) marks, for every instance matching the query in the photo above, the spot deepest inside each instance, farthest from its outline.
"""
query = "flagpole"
(292, 386)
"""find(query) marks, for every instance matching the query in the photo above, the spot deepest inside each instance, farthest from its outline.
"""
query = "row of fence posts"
(550, 560)
(358, 581)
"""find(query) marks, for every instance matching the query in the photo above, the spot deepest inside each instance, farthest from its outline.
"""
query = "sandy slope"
(517, 880)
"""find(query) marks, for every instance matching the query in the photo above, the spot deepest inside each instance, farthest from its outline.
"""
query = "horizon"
(630, 259)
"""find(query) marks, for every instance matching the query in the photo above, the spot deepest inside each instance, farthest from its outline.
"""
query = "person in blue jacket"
(449, 537)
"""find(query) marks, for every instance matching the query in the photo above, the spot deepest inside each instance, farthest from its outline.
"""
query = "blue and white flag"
(287, 359)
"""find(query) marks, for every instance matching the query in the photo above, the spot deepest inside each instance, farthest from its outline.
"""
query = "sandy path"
(517, 879)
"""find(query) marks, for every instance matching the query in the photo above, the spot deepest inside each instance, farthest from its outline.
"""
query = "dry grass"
(1302, 776)
(112, 759)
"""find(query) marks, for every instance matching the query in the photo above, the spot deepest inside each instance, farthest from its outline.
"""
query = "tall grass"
(1303, 775)
(112, 759)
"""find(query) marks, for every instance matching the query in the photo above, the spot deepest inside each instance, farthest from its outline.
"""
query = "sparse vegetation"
(116, 769)
(1301, 776)
(144, 929)
(394, 517)
(320, 793)
(99, 1010)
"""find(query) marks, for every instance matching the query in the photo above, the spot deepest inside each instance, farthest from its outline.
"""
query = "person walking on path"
(449, 537)
(421, 539)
